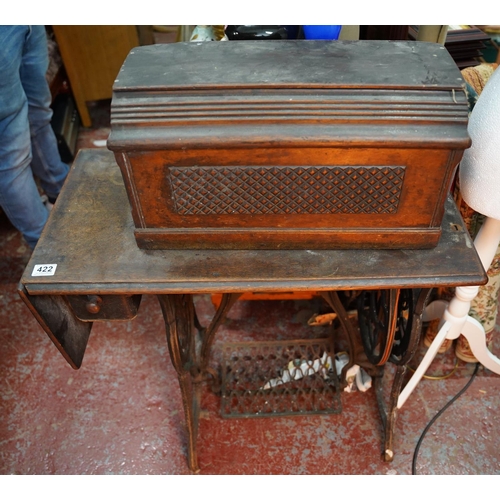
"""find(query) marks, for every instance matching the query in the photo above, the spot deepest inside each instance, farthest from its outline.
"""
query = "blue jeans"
(28, 146)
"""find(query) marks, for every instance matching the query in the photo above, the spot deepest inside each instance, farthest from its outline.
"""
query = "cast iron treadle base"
(279, 378)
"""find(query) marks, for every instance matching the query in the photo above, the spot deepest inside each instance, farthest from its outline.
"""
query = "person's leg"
(19, 196)
(46, 163)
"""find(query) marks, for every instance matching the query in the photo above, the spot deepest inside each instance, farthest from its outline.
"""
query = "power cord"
(436, 416)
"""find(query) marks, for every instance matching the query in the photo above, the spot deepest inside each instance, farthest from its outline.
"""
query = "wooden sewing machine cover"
(295, 144)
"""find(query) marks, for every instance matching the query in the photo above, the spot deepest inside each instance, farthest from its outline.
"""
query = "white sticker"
(44, 270)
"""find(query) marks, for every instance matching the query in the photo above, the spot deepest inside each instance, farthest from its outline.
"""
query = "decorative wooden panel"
(286, 190)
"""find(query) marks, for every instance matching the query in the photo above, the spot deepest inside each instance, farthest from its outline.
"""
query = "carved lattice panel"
(286, 190)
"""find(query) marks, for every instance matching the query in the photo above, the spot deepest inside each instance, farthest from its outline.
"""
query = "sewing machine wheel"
(379, 317)
(404, 324)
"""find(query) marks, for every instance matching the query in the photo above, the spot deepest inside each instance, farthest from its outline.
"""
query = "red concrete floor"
(121, 413)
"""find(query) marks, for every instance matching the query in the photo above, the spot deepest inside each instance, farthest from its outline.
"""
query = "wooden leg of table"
(178, 314)
(69, 334)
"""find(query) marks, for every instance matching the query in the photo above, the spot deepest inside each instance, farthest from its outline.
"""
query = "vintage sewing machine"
(270, 167)
(290, 144)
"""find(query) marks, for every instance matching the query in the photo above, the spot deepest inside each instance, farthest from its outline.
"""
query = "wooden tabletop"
(90, 237)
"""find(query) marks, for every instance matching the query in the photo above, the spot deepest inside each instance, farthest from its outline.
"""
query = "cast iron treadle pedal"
(279, 378)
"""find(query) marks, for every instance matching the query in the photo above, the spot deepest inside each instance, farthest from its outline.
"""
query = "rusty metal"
(279, 378)
(333, 300)
(389, 412)
(179, 313)
(411, 307)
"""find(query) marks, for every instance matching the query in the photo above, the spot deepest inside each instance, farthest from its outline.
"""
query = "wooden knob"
(93, 304)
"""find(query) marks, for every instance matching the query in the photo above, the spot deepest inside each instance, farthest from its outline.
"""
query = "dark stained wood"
(90, 238)
(104, 307)
(286, 64)
(464, 45)
(69, 334)
(383, 32)
(295, 144)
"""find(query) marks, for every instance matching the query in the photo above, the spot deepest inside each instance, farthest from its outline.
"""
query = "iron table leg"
(334, 302)
(389, 412)
(190, 356)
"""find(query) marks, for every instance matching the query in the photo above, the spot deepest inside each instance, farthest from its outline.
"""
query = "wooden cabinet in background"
(92, 56)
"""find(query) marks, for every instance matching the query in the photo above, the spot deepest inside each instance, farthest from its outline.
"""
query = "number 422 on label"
(44, 270)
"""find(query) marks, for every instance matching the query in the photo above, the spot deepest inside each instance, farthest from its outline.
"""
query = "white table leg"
(456, 319)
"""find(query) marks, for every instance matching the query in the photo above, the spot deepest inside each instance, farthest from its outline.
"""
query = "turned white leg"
(455, 315)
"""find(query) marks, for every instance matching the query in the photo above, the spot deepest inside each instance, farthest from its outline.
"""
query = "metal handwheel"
(379, 317)
(404, 325)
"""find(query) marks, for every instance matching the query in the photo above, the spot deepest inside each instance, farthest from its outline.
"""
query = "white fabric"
(480, 167)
